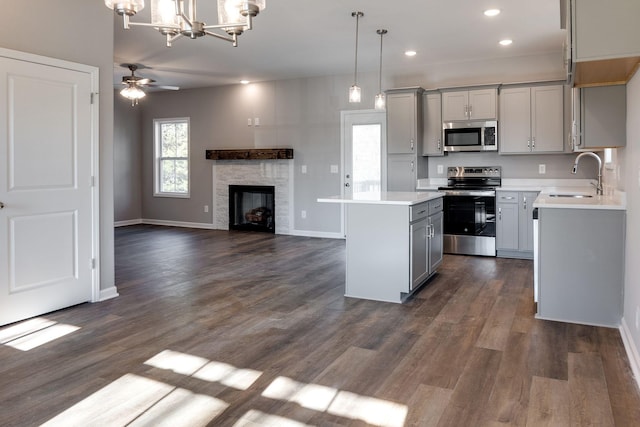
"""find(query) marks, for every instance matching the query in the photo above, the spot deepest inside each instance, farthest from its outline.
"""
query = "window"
(171, 153)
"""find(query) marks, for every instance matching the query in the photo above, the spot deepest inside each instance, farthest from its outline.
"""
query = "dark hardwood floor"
(235, 328)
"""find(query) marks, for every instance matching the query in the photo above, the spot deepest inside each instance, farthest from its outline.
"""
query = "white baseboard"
(108, 293)
(127, 222)
(178, 224)
(321, 234)
(632, 350)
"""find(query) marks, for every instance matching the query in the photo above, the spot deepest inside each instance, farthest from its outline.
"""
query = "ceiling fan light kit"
(172, 19)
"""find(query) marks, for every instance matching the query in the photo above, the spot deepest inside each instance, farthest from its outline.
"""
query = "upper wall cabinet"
(605, 40)
(432, 136)
(599, 117)
(404, 121)
(532, 120)
(469, 105)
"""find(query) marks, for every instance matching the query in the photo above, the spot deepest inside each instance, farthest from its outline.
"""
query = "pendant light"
(354, 91)
(380, 102)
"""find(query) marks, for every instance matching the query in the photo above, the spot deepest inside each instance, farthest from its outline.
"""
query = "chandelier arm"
(172, 38)
(149, 24)
(221, 37)
(222, 26)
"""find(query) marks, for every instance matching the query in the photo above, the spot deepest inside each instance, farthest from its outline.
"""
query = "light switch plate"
(542, 169)
(303, 169)
(440, 169)
(334, 168)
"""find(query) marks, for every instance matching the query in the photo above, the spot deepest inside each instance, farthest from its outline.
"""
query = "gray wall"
(127, 154)
(303, 114)
(80, 31)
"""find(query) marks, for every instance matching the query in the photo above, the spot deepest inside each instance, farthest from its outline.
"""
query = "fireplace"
(252, 207)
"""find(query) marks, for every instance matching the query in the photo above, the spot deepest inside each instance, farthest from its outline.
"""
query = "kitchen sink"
(576, 196)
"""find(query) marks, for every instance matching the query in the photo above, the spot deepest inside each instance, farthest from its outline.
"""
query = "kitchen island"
(580, 257)
(394, 242)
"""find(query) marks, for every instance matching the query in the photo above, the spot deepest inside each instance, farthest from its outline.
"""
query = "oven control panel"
(474, 172)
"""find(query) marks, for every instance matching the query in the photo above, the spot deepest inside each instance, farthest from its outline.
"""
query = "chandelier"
(172, 19)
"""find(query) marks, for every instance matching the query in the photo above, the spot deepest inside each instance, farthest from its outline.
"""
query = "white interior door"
(46, 188)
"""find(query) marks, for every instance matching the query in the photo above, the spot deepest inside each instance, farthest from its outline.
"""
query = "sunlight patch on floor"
(204, 369)
(139, 401)
(371, 410)
(254, 418)
(33, 333)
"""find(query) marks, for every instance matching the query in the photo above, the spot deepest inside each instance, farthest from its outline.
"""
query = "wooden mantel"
(251, 154)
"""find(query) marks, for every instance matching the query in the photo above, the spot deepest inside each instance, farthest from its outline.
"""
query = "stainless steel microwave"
(470, 136)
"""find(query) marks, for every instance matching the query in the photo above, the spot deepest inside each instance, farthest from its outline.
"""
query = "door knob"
(347, 185)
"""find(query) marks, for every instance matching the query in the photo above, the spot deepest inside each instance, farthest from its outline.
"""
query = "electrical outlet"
(303, 214)
(440, 169)
(542, 169)
(206, 208)
(248, 122)
(256, 121)
(334, 168)
(303, 169)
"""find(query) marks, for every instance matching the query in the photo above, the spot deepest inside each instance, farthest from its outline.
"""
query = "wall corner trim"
(632, 350)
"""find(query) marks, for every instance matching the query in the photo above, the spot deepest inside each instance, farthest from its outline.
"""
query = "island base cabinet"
(581, 266)
(391, 250)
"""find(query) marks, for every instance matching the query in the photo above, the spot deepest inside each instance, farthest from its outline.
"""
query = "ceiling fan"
(134, 84)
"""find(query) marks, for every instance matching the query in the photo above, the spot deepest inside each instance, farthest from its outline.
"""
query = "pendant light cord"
(381, 32)
(355, 72)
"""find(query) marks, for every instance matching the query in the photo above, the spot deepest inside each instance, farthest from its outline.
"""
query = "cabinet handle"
(500, 214)
(533, 143)
(529, 144)
(412, 145)
(470, 110)
(439, 144)
(525, 203)
(507, 197)
(412, 166)
(421, 212)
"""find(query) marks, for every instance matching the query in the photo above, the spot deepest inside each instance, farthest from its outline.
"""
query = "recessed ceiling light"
(411, 53)
(506, 42)
(492, 12)
(245, 82)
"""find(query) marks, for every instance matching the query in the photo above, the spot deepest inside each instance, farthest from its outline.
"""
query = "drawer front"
(506, 197)
(436, 206)
(419, 211)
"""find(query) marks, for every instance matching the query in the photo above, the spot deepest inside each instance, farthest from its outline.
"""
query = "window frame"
(157, 158)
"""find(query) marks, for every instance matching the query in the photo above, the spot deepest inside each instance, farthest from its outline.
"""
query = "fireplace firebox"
(252, 207)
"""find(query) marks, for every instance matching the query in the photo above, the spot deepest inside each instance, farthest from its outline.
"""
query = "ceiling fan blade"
(144, 81)
(166, 87)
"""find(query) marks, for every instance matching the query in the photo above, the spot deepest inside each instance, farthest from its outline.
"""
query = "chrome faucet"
(589, 153)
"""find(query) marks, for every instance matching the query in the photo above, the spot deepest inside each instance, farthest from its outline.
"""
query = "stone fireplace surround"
(278, 173)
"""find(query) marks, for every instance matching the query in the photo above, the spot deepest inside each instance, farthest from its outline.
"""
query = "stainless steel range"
(470, 210)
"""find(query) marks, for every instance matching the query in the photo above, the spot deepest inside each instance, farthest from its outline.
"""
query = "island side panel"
(581, 266)
(377, 251)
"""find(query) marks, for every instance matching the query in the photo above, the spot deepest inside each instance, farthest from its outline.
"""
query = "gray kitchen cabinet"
(514, 224)
(506, 221)
(478, 104)
(393, 245)
(599, 117)
(617, 32)
(401, 172)
(405, 163)
(432, 136)
(581, 265)
(404, 121)
(426, 240)
(532, 120)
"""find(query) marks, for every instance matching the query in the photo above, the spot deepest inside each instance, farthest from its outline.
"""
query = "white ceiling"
(304, 38)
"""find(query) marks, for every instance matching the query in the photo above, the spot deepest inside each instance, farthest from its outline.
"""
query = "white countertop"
(614, 200)
(385, 198)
